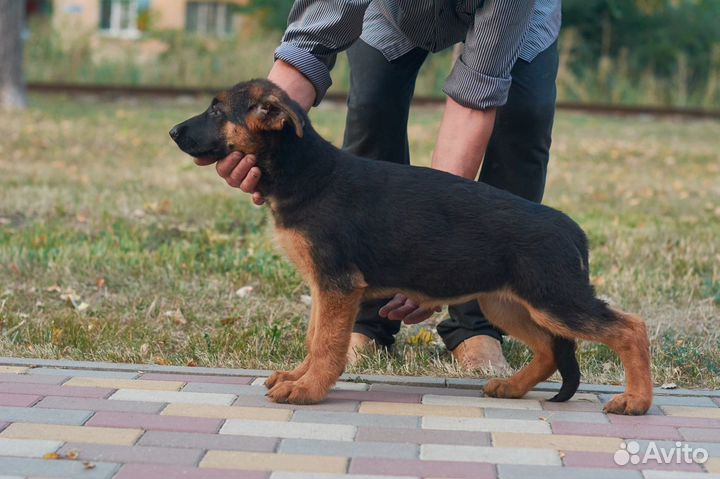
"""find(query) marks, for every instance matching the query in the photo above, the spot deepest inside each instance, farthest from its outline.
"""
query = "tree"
(12, 83)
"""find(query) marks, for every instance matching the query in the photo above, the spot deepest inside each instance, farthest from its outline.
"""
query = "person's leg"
(376, 128)
(516, 160)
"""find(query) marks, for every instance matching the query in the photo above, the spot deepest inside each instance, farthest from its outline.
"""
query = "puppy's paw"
(296, 392)
(502, 388)
(628, 404)
(279, 377)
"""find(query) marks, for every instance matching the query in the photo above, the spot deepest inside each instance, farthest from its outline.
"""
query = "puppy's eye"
(215, 110)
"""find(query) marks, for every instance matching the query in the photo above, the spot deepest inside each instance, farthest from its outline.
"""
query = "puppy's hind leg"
(515, 320)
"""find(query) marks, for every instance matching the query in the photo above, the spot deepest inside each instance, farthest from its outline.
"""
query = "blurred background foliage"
(641, 52)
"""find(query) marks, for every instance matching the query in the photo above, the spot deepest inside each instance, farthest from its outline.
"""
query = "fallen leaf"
(192, 363)
(100, 282)
(51, 456)
(669, 386)
(160, 361)
(88, 465)
(53, 289)
(72, 454)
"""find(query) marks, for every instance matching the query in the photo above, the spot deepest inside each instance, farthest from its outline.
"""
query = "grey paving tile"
(423, 436)
(329, 404)
(311, 475)
(409, 380)
(289, 430)
(549, 416)
(515, 471)
(85, 373)
(426, 390)
(493, 455)
(649, 474)
(66, 469)
(132, 454)
(355, 419)
(30, 379)
(224, 442)
(59, 402)
(713, 448)
(349, 449)
(27, 447)
(693, 401)
(44, 416)
(239, 389)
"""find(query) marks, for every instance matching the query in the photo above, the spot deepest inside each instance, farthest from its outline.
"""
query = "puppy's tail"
(564, 351)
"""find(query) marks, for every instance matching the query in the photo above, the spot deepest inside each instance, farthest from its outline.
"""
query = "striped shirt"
(495, 32)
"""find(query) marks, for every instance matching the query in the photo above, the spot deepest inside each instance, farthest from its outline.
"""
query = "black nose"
(174, 133)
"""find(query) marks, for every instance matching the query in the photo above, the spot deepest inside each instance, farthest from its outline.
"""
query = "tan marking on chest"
(298, 250)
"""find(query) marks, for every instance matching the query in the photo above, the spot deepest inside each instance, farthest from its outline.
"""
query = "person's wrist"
(295, 84)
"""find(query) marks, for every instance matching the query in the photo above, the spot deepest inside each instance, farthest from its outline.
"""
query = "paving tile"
(404, 409)
(13, 369)
(152, 471)
(426, 390)
(44, 416)
(339, 386)
(717, 401)
(30, 379)
(311, 475)
(634, 431)
(196, 378)
(677, 421)
(700, 434)
(485, 424)
(141, 454)
(349, 449)
(99, 405)
(262, 461)
(196, 440)
(125, 384)
(88, 373)
(27, 447)
(408, 467)
(330, 404)
(355, 419)
(382, 396)
(713, 465)
(481, 402)
(547, 416)
(512, 471)
(53, 390)
(403, 380)
(3, 476)
(99, 435)
(154, 422)
(691, 401)
(685, 411)
(577, 398)
(172, 396)
(226, 412)
(556, 441)
(237, 389)
(422, 436)
(573, 406)
(493, 455)
(604, 459)
(294, 430)
(18, 400)
(3, 425)
(678, 475)
(56, 469)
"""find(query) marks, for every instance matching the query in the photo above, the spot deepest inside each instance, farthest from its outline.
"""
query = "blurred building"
(129, 18)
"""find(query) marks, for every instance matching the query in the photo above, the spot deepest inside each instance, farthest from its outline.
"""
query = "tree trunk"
(12, 83)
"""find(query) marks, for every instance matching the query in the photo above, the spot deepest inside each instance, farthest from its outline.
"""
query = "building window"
(119, 18)
(212, 18)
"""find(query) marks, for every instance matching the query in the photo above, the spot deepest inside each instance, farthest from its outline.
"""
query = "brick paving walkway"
(102, 420)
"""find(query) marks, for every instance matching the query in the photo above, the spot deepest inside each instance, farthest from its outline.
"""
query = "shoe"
(481, 352)
(359, 345)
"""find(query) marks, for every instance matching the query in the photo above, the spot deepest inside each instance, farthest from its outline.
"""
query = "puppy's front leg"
(336, 312)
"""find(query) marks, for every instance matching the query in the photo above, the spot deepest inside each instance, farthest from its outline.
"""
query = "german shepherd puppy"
(358, 229)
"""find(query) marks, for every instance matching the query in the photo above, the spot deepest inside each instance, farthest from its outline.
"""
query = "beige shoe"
(359, 345)
(481, 352)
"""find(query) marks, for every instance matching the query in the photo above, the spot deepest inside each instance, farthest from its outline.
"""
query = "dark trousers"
(516, 158)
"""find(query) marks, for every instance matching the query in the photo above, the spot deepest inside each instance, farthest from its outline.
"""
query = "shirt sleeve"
(317, 30)
(480, 78)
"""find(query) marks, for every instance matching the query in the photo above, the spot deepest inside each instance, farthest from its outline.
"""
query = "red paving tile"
(18, 400)
(602, 459)
(629, 431)
(153, 422)
(52, 390)
(409, 467)
(146, 471)
(196, 378)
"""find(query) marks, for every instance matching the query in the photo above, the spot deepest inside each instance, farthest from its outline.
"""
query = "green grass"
(114, 246)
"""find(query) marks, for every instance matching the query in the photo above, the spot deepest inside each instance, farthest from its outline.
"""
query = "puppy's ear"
(271, 113)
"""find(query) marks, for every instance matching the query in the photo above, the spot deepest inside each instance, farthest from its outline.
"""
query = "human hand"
(402, 308)
(239, 171)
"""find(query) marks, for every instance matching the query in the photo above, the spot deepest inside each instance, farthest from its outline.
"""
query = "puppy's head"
(248, 118)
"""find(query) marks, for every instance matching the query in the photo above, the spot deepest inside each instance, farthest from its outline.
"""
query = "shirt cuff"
(307, 64)
(473, 89)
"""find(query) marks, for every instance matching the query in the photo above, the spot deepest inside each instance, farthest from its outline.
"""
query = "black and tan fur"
(359, 229)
